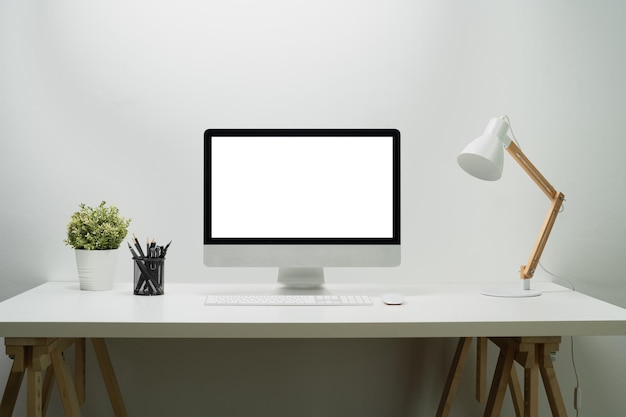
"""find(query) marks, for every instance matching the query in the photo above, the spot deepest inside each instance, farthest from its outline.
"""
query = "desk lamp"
(483, 158)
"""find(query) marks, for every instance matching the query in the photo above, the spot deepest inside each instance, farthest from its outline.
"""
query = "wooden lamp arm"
(527, 271)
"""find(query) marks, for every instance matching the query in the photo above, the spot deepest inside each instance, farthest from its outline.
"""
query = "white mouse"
(393, 299)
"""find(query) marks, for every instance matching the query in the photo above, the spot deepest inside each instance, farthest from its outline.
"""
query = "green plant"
(96, 228)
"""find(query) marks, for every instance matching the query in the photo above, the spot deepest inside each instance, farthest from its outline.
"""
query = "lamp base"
(509, 292)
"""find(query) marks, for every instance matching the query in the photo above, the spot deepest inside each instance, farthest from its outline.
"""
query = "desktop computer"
(301, 200)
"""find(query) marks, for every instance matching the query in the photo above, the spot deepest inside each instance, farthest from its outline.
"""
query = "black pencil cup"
(149, 276)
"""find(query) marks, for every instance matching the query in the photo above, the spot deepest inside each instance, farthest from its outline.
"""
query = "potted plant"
(96, 234)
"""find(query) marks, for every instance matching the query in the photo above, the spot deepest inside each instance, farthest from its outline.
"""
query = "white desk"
(60, 309)
(520, 327)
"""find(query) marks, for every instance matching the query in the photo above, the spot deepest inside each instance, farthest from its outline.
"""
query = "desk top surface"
(61, 309)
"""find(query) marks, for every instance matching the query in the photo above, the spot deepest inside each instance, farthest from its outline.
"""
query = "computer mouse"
(393, 299)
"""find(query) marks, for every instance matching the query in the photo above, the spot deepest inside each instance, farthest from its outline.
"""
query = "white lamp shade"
(484, 157)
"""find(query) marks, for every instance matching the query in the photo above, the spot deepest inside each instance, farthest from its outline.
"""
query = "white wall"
(109, 100)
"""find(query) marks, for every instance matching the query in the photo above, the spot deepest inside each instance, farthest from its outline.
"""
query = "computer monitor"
(301, 200)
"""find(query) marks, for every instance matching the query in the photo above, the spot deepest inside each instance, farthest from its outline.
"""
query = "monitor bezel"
(393, 133)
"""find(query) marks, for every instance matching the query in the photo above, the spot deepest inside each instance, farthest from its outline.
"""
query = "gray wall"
(97, 98)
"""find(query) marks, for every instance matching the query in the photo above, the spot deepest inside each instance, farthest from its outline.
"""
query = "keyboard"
(288, 300)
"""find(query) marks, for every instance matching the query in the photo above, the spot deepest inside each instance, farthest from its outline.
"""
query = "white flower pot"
(96, 268)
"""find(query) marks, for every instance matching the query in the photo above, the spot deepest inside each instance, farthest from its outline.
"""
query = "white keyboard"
(288, 300)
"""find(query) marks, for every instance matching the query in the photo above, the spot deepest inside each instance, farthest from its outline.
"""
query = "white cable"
(569, 284)
(511, 129)
(577, 388)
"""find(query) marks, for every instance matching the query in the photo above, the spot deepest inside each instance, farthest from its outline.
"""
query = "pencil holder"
(149, 276)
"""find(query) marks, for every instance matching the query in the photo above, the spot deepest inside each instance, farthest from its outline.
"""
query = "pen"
(132, 251)
(165, 249)
(138, 246)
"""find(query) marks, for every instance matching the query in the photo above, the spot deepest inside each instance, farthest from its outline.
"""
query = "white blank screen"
(302, 187)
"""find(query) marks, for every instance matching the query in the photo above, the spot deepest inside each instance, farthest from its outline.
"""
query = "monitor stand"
(301, 278)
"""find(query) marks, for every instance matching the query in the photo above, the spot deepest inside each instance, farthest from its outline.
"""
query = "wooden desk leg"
(48, 383)
(34, 400)
(10, 393)
(516, 393)
(79, 372)
(108, 373)
(14, 382)
(454, 376)
(533, 353)
(65, 383)
(79, 369)
(481, 369)
(500, 380)
(33, 357)
(38, 359)
(551, 384)
(531, 392)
